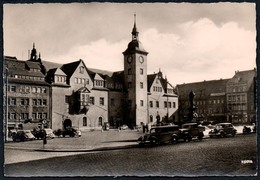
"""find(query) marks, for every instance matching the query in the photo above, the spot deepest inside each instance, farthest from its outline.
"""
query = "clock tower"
(135, 76)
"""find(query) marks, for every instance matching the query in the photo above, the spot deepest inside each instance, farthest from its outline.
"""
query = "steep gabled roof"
(150, 80)
(51, 65)
(33, 65)
(70, 68)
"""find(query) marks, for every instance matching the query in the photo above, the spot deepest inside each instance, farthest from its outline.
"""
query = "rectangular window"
(24, 116)
(165, 104)
(34, 89)
(92, 100)
(141, 71)
(141, 103)
(173, 104)
(44, 115)
(39, 102)
(34, 115)
(157, 104)
(39, 90)
(34, 102)
(44, 90)
(27, 89)
(151, 104)
(76, 80)
(12, 88)
(24, 102)
(12, 101)
(141, 85)
(101, 101)
(169, 104)
(39, 116)
(12, 116)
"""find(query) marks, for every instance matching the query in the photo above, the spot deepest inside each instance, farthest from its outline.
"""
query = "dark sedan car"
(23, 135)
(160, 135)
(223, 130)
(72, 132)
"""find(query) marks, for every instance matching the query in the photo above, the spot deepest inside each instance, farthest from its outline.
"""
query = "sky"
(188, 42)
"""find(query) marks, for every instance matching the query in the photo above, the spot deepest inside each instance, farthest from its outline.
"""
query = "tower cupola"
(135, 45)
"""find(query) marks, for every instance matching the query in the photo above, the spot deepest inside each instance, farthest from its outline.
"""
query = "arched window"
(100, 121)
(85, 122)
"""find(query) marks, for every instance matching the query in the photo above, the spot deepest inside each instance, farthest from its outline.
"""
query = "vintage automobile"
(39, 133)
(160, 134)
(23, 135)
(191, 130)
(71, 131)
(223, 130)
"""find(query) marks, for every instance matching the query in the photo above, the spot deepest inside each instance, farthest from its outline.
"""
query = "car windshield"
(27, 132)
(219, 126)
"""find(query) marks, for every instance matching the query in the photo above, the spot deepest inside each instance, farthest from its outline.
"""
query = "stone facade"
(224, 100)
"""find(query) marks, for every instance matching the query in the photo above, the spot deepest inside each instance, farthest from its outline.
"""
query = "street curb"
(88, 150)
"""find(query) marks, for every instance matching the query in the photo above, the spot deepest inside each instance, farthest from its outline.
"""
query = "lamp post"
(6, 104)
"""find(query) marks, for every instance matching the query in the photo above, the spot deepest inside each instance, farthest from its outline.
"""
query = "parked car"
(39, 133)
(23, 135)
(191, 130)
(71, 131)
(49, 133)
(160, 134)
(223, 130)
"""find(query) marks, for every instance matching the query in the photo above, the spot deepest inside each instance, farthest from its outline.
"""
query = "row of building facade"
(74, 95)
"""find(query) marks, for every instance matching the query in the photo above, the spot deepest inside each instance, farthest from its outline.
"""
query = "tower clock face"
(129, 59)
(141, 59)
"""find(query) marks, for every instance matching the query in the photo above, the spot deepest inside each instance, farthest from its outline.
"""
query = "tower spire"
(33, 53)
(134, 31)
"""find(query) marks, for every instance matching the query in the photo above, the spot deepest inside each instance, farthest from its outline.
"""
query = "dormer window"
(81, 69)
(99, 83)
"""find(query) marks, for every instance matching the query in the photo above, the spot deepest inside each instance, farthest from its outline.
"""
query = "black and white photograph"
(130, 89)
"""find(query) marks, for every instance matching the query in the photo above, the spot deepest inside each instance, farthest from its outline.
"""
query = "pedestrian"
(158, 119)
(143, 128)
(44, 138)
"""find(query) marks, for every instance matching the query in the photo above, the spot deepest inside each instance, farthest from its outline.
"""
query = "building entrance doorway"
(67, 123)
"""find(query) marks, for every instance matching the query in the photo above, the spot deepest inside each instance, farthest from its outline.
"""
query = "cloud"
(200, 51)
(100, 54)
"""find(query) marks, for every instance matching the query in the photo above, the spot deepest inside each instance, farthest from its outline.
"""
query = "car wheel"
(153, 141)
(211, 136)
(187, 138)
(200, 137)
(174, 140)
(233, 134)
